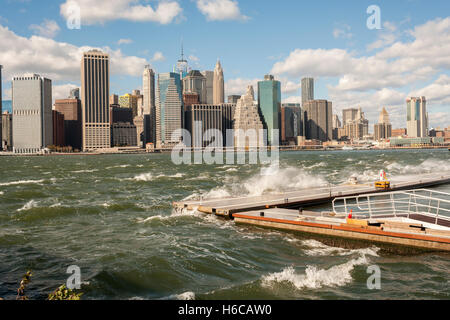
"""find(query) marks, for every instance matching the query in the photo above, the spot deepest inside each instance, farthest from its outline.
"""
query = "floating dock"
(307, 197)
(417, 218)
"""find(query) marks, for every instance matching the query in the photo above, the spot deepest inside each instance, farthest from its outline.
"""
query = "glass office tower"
(269, 101)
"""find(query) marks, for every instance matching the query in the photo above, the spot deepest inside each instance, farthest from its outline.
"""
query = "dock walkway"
(306, 197)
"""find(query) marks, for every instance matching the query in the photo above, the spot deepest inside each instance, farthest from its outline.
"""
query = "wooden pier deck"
(408, 233)
(306, 197)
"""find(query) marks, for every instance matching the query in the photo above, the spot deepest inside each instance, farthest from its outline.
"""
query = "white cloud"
(293, 99)
(193, 58)
(124, 41)
(62, 91)
(398, 65)
(437, 93)
(343, 32)
(386, 37)
(239, 86)
(48, 28)
(220, 10)
(158, 56)
(58, 61)
(101, 11)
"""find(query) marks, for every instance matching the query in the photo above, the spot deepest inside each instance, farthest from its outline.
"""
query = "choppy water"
(112, 216)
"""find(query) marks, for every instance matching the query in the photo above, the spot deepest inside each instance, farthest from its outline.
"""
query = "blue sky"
(353, 66)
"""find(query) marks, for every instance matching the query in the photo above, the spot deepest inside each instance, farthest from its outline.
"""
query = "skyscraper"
(307, 90)
(417, 117)
(32, 113)
(182, 65)
(356, 125)
(148, 86)
(219, 85)
(209, 75)
(383, 129)
(269, 100)
(169, 108)
(336, 122)
(95, 100)
(1, 106)
(291, 122)
(247, 120)
(195, 82)
(71, 109)
(349, 115)
(212, 117)
(318, 120)
(129, 101)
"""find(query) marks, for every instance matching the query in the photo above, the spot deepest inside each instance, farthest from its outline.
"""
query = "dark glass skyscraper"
(269, 100)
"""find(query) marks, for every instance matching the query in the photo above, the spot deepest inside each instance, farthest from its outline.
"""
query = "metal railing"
(428, 203)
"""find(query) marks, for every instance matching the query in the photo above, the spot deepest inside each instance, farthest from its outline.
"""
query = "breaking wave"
(269, 180)
(150, 177)
(186, 296)
(316, 248)
(315, 278)
(12, 183)
(29, 205)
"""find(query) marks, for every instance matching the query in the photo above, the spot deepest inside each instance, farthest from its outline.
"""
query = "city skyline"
(365, 68)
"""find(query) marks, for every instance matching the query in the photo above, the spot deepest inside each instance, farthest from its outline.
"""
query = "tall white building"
(149, 103)
(307, 90)
(32, 113)
(169, 108)
(148, 87)
(417, 117)
(219, 85)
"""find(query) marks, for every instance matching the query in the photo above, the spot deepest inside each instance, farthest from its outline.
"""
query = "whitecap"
(186, 296)
(317, 248)
(315, 278)
(29, 205)
(144, 177)
(12, 183)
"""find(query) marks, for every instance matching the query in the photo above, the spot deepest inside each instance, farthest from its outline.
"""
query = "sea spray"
(315, 278)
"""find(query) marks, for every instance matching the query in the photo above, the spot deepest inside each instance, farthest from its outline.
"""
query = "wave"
(85, 171)
(143, 177)
(119, 166)
(150, 177)
(29, 205)
(315, 278)
(269, 180)
(400, 170)
(427, 166)
(316, 248)
(13, 183)
(185, 296)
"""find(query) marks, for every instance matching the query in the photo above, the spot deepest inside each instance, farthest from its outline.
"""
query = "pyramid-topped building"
(247, 121)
